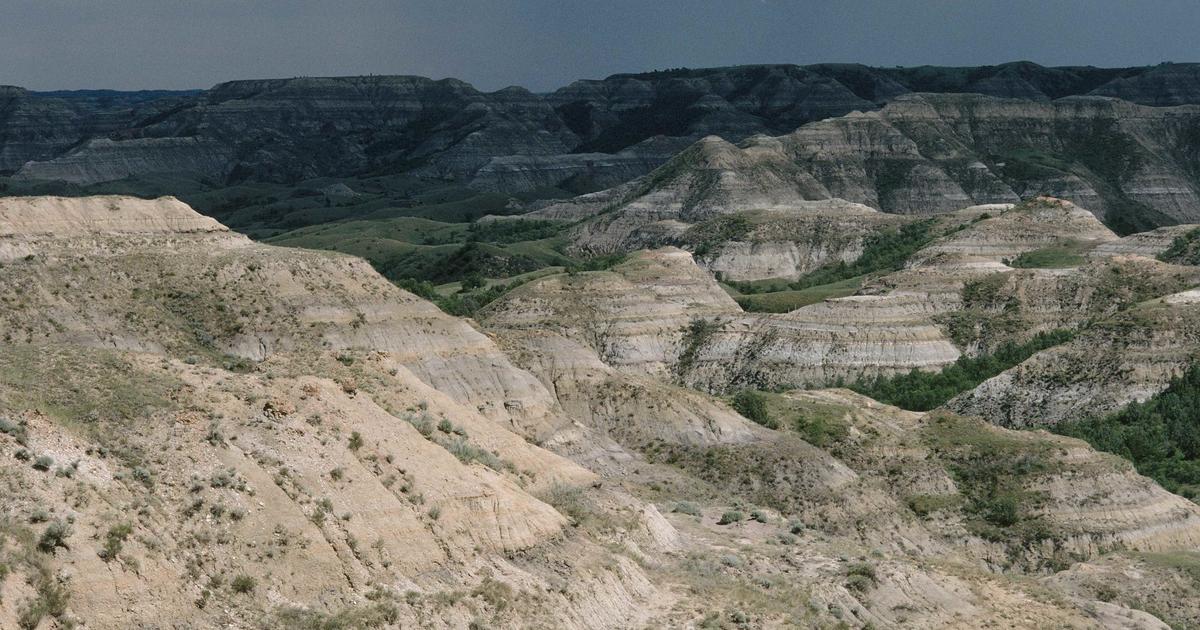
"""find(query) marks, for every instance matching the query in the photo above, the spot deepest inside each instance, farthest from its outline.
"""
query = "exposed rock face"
(41, 126)
(287, 129)
(162, 321)
(633, 316)
(930, 153)
(573, 171)
(661, 315)
(1002, 233)
(1129, 357)
(1149, 244)
(102, 160)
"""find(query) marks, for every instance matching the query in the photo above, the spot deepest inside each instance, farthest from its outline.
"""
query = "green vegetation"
(861, 577)
(263, 209)
(790, 300)
(992, 469)
(753, 406)
(1184, 250)
(695, 336)
(820, 424)
(569, 501)
(718, 230)
(1160, 436)
(54, 536)
(883, 252)
(922, 391)
(114, 541)
(925, 505)
(243, 584)
(1066, 254)
(730, 517)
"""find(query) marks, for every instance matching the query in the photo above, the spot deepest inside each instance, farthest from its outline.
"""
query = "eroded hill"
(199, 430)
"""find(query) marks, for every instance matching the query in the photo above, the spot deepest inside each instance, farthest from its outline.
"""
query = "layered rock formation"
(1150, 244)
(197, 430)
(661, 315)
(1128, 357)
(1002, 233)
(288, 129)
(42, 126)
(920, 154)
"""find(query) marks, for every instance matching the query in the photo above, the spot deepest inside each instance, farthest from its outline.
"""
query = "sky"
(545, 44)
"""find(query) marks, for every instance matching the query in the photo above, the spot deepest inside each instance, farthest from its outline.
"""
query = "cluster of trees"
(922, 391)
(1160, 436)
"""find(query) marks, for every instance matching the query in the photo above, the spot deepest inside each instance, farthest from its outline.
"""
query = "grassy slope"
(790, 300)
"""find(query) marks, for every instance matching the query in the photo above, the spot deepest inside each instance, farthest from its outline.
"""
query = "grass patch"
(820, 424)
(790, 300)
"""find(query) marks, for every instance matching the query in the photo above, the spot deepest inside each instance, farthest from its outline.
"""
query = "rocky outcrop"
(103, 159)
(1002, 233)
(44, 125)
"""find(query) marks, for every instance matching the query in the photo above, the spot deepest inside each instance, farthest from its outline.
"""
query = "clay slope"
(1002, 233)
(268, 435)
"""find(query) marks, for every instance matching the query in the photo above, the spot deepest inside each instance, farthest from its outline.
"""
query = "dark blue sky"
(543, 44)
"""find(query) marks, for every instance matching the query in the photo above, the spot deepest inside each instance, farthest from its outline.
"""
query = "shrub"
(51, 600)
(356, 441)
(759, 516)
(54, 536)
(467, 453)
(861, 577)
(114, 540)
(730, 517)
(445, 426)
(569, 501)
(43, 463)
(685, 507)
(243, 584)
(753, 406)
(1161, 436)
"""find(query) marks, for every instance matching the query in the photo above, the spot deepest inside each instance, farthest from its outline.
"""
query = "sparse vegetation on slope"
(992, 468)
